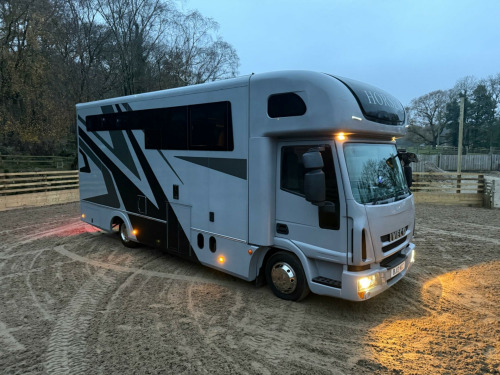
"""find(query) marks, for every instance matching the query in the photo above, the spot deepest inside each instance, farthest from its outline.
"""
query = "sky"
(408, 48)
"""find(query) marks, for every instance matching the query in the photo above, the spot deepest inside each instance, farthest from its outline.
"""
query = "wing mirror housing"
(314, 178)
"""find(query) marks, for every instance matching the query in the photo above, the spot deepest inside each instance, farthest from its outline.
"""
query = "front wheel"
(126, 241)
(286, 277)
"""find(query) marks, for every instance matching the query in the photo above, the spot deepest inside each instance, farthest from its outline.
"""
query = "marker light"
(221, 259)
(83, 216)
(250, 252)
(341, 137)
(412, 259)
(134, 232)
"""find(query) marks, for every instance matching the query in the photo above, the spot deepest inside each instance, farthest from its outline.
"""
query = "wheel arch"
(264, 253)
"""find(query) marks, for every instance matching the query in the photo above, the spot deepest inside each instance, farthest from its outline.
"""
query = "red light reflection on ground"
(70, 230)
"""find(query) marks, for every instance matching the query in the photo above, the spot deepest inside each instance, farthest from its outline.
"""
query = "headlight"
(365, 284)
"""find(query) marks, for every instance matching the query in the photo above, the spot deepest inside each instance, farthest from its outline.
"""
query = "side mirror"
(314, 179)
(408, 175)
(312, 159)
(314, 187)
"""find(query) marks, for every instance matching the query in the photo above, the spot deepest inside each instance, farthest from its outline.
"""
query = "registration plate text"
(396, 270)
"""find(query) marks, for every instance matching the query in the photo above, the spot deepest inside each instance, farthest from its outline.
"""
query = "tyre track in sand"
(66, 353)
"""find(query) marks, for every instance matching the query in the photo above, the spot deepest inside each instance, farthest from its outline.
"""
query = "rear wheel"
(286, 277)
(126, 241)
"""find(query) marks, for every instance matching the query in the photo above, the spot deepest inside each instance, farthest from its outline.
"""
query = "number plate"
(396, 270)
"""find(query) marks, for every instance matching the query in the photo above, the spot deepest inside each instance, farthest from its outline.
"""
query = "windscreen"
(375, 173)
(377, 105)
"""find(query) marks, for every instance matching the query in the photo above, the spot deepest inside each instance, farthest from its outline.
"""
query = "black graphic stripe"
(233, 167)
(107, 109)
(183, 247)
(86, 166)
(172, 168)
(127, 106)
(110, 198)
(126, 188)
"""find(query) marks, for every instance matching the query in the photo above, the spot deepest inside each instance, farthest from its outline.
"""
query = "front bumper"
(384, 277)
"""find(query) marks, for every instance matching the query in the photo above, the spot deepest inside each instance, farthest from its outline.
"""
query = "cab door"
(319, 234)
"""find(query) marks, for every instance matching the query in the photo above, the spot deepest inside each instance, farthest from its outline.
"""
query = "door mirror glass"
(314, 186)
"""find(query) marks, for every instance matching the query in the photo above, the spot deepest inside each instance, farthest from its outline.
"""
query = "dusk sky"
(407, 48)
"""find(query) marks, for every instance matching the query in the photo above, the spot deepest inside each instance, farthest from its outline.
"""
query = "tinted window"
(210, 126)
(292, 169)
(377, 105)
(174, 134)
(285, 105)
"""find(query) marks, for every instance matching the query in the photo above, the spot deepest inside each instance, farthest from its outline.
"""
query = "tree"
(55, 53)
(482, 118)
(427, 117)
(195, 54)
(138, 27)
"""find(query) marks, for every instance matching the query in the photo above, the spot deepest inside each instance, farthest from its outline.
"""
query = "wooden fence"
(470, 163)
(27, 163)
(466, 189)
(28, 189)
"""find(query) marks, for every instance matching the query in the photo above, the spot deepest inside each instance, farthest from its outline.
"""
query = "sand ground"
(74, 300)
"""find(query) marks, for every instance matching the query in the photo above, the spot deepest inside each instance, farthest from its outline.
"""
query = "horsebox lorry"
(288, 177)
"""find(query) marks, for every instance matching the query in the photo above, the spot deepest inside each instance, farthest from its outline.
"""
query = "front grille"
(393, 245)
(393, 260)
(387, 237)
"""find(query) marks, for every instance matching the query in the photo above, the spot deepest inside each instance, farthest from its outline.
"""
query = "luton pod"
(291, 178)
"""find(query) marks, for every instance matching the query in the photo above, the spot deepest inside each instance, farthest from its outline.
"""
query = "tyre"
(126, 241)
(286, 277)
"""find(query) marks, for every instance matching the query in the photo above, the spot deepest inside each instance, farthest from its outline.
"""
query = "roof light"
(341, 137)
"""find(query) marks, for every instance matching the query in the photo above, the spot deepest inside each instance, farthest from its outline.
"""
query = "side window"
(292, 180)
(285, 105)
(207, 126)
(174, 134)
(211, 127)
(292, 169)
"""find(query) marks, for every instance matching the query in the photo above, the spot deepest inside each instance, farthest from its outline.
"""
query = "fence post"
(459, 183)
(480, 181)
